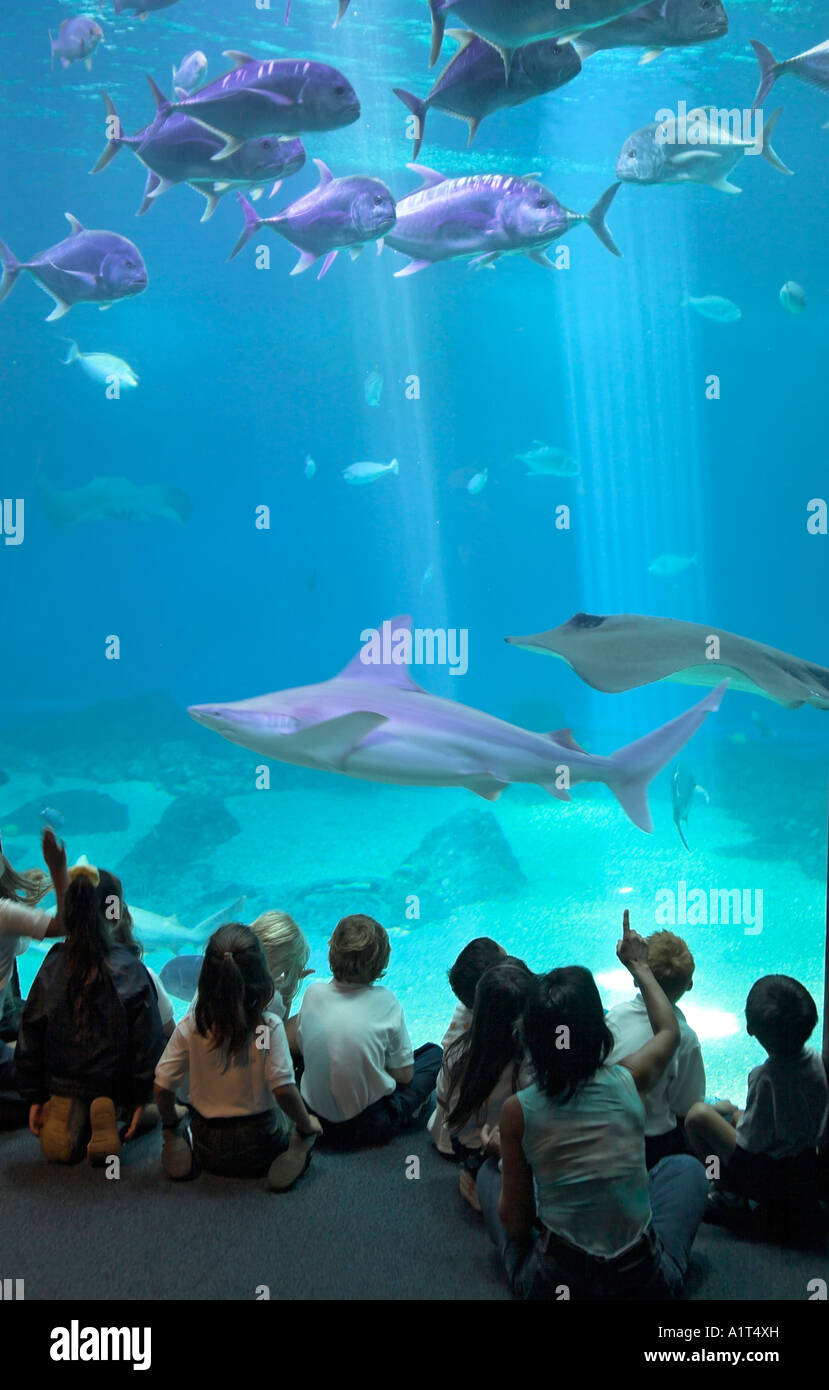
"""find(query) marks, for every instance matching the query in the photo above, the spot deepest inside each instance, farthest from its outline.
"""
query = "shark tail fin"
(634, 767)
(252, 222)
(769, 153)
(11, 270)
(770, 70)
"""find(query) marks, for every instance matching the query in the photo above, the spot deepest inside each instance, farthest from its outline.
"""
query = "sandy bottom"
(583, 864)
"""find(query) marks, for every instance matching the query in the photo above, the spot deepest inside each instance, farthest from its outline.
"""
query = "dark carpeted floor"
(356, 1226)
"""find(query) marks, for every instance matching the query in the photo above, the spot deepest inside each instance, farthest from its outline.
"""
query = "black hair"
(235, 987)
(117, 916)
(476, 1060)
(781, 1014)
(87, 946)
(565, 1031)
(479, 955)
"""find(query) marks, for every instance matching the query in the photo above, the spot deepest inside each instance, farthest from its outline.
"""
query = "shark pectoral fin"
(490, 788)
(558, 792)
(332, 741)
(566, 739)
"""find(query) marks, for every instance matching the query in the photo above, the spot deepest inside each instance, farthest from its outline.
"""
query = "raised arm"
(648, 1064)
(54, 857)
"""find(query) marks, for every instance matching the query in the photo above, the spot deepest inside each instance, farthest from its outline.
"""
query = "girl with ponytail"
(91, 1033)
(240, 1071)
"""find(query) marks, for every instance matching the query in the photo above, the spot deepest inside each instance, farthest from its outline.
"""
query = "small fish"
(361, 473)
(373, 388)
(101, 366)
(77, 39)
(667, 566)
(683, 789)
(711, 306)
(428, 576)
(310, 468)
(51, 818)
(546, 459)
(477, 483)
(702, 150)
(793, 297)
(191, 71)
(96, 267)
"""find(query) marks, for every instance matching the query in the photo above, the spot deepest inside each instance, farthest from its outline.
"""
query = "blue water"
(244, 372)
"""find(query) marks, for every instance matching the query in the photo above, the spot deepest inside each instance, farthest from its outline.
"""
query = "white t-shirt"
(349, 1035)
(786, 1106)
(506, 1085)
(245, 1088)
(165, 1003)
(683, 1080)
(437, 1126)
(17, 920)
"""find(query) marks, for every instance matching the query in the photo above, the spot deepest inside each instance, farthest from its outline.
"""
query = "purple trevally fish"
(180, 150)
(373, 722)
(472, 86)
(659, 25)
(486, 216)
(811, 67)
(509, 24)
(277, 96)
(143, 7)
(339, 214)
(91, 267)
(77, 39)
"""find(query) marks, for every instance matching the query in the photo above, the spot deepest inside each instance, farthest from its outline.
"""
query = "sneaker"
(106, 1141)
(177, 1154)
(290, 1165)
(61, 1138)
(724, 1208)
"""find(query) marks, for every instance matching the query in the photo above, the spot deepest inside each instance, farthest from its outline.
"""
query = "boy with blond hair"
(683, 1082)
(361, 1077)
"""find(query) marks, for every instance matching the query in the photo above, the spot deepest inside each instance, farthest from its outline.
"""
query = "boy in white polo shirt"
(682, 1084)
(361, 1077)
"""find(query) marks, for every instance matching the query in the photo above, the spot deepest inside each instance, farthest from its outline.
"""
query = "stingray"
(625, 650)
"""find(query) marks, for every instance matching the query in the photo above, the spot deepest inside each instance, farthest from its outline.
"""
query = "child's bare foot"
(469, 1189)
(291, 1164)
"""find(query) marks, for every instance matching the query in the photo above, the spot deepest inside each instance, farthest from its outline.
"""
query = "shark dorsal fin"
(375, 659)
(566, 739)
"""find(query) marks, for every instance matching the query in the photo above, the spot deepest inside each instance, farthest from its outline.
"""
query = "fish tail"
(596, 218)
(72, 355)
(342, 7)
(769, 128)
(770, 70)
(252, 223)
(394, 466)
(438, 30)
(418, 109)
(114, 141)
(678, 824)
(11, 270)
(634, 767)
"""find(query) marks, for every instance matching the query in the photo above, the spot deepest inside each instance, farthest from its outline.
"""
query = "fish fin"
(380, 243)
(61, 308)
(567, 739)
(438, 9)
(356, 251)
(222, 187)
(149, 187)
(252, 224)
(507, 55)
(162, 105)
(11, 270)
(678, 825)
(633, 768)
(88, 64)
(359, 669)
(181, 93)
(332, 741)
(690, 156)
(489, 787)
(325, 174)
(724, 185)
(73, 354)
(773, 158)
(431, 177)
(703, 793)
(650, 56)
(540, 257)
(74, 224)
(463, 38)
(558, 792)
(412, 269)
(394, 466)
(211, 199)
(275, 189)
(342, 7)
(485, 262)
(238, 59)
(474, 123)
(418, 109)
(114, 142)
(85, 276)
(596, 218)
(306, 260)
(232, 143)
(327, 263)
(770, 70)
(51, 50)
(585, 49)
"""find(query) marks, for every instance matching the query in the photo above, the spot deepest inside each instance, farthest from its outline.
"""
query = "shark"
(374, 722)
(157, 932)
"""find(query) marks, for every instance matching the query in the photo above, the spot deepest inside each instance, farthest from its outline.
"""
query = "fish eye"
(339, 90)
(543, 203)
(378, 200)
(130, 265)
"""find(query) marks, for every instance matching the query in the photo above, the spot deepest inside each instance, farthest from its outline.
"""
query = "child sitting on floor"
(768, 1152)
(485, 1065)
(90, 1035)
(240, 1073)
(287, 953)
(361, 1077)
(682, 1083)
(474, 959)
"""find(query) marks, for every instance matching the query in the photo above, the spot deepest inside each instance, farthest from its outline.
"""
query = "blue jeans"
(545, 1268)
